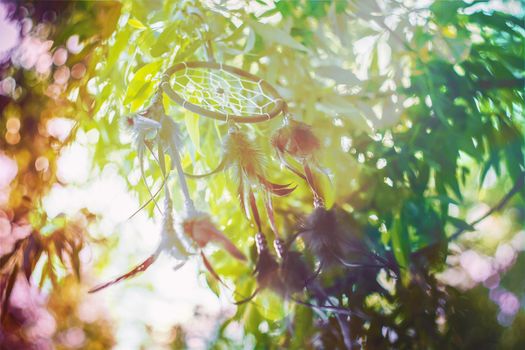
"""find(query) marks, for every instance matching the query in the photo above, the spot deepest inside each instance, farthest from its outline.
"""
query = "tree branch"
(515, 189)
(518, 83)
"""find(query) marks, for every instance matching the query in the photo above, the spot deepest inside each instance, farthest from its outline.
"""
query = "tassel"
(326, 238)
(201, 230)
(295, 273)
(248, 164)
(266, 269)
(296, 139)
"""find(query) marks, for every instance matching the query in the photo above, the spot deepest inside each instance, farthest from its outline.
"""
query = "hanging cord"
(170, 132)
(205, 36)
(188, 202)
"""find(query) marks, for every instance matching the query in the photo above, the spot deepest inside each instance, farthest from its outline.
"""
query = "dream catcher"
(236, 97)
(219, 92)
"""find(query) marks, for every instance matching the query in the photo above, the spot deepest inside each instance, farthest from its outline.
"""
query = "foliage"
(413, 108)
(41, 73)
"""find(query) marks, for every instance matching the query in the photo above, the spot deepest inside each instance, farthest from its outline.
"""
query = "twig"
(515, 189)
(517, 83)
(383, 25)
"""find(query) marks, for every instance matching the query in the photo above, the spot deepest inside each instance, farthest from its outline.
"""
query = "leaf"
(303, 326)
(142, 76)
(275, 35)
(8, 290)
(446, 11)
(454, 50)
(461, 224)
(443, 199)
(270, 306)
(341, 107)
(32, 254)
(135, 23)
(162, 43)
(4, 259)
(192, 125)
(136, 270)
(250, 42)
(340, 75)
(401, 246)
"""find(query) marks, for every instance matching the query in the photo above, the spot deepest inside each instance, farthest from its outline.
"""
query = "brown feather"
(202, 231)
(297, 139)
(138, 269)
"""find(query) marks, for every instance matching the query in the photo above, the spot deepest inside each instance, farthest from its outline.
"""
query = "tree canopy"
(381, 207)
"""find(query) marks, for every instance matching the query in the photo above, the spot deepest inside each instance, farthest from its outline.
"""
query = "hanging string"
(188, 202)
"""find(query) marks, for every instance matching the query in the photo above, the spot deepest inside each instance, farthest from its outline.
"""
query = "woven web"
(220, 91)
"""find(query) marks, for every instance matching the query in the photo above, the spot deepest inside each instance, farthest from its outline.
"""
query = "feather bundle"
(247, 163)
(202, 231)
(294, 272)
(332, 244)
(297, 140)
(171, 139)
(322, 235)
(171, 242)
(266, 267)
(266, 270)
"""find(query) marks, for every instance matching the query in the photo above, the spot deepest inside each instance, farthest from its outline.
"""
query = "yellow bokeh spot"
(12, 138)
(41, 164)
(449, 32)
(13, 125)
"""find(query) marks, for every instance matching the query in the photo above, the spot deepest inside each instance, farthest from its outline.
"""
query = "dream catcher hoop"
(222, 92)
(232, 95)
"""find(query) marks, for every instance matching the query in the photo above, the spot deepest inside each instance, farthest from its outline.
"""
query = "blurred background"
(418, 106)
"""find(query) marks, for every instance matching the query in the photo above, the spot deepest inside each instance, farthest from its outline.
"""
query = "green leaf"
(445, 11)
(162, 44)
(461, 224)
(192, 125)
(250, 42)
(135, 23)
(400, 243)
(275, 35)
(340, 75)
(444, 199)
(142, 76)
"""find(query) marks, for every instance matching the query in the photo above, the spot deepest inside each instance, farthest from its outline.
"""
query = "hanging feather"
(248, 165)
(266, 269)
(333, 244)
(143, 131)
(295, 273)
(171, 242)
(297, 140)
(195, 224)
(153, 124)
(171, 138)
(266, 266)
(291, 276)
(238, 151)
(202, 231)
